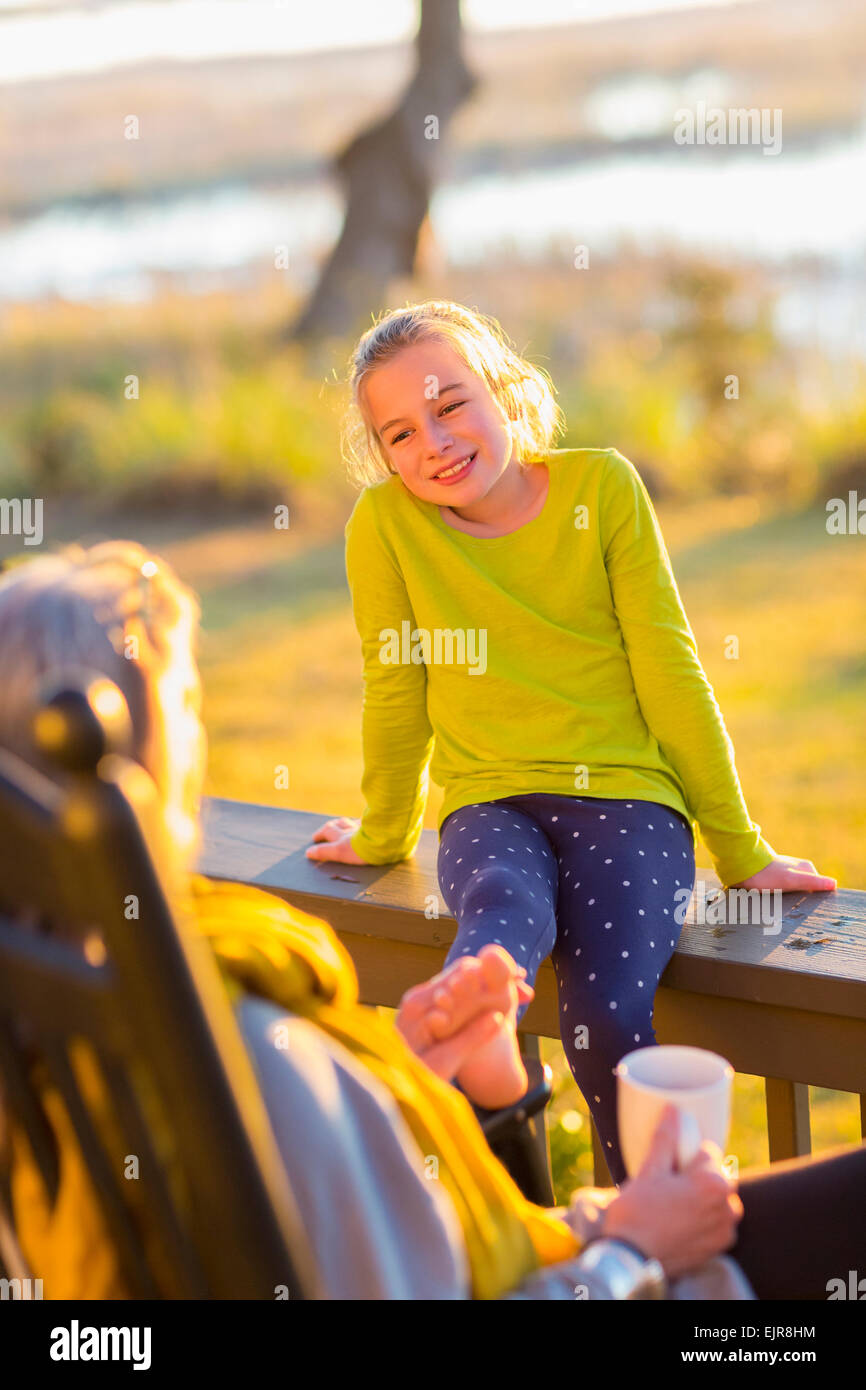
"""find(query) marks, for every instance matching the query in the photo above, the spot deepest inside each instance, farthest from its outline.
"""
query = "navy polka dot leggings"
(592, 882)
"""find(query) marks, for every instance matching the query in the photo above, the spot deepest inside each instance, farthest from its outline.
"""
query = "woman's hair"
(112, 609)
(525, 393)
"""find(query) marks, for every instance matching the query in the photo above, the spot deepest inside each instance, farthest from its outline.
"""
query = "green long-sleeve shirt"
(558, 658)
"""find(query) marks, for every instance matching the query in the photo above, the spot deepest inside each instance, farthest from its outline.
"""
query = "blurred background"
(202, 202)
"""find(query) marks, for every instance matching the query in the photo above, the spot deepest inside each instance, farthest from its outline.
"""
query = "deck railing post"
(788, 1129)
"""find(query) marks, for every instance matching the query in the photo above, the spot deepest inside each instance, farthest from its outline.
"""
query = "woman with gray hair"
(119, 611)
(348, 1139)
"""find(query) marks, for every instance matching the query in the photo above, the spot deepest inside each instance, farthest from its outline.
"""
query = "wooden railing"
(786, 1004)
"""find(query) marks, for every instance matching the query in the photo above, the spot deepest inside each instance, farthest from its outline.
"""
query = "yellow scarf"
(269, 948)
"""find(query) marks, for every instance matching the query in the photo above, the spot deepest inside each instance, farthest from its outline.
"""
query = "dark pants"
(804, 1225)
(594, 883)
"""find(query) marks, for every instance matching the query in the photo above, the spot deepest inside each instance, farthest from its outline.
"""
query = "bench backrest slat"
(73, 854)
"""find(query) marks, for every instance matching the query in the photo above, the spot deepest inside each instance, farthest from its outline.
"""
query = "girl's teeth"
(456, 469)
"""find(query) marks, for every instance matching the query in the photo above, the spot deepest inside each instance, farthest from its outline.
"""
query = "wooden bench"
(789, 1005)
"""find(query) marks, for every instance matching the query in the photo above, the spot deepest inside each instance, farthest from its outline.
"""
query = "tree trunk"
(388, 173)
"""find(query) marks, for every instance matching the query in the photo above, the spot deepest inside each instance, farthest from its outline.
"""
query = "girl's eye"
(452, 405)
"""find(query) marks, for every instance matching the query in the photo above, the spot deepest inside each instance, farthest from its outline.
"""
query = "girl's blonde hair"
(78, 610)
(524, 392)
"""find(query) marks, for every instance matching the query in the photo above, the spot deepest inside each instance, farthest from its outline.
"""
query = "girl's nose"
(436, 437)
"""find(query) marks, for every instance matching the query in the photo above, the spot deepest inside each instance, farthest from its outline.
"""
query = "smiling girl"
(576, 766)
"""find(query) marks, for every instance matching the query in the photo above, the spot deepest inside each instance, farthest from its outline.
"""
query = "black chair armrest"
(506, 1123)
(517, 1136)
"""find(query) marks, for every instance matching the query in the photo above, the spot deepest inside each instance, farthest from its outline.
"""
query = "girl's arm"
(396, 735)
(675, 697)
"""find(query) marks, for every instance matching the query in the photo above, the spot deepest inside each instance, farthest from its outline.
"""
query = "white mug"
(697, 1082)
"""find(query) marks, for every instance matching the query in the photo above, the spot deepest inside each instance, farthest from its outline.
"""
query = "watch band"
(627, 1245)
(624, 1271)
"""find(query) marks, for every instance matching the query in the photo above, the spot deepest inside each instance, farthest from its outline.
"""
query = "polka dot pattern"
(587, 881)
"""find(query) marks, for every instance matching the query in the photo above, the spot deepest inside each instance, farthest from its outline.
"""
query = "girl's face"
(431, 411)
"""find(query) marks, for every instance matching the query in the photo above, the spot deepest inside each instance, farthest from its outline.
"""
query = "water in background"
(737, 202)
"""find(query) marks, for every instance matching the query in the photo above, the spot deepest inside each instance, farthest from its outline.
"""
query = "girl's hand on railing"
(335, 837)
(790, 874)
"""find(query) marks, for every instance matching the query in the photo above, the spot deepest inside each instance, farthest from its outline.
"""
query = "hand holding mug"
(682, 1218)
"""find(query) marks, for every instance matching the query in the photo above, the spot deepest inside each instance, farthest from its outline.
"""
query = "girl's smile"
(457, 471)
(441, 427)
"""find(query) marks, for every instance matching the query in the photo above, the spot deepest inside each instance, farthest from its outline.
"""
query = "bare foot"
(494, 1074)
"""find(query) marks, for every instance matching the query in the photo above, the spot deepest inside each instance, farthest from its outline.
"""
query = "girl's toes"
(497, 966)
(442, 1001)
(465, 985)
(414, 1008)
(440, 1023)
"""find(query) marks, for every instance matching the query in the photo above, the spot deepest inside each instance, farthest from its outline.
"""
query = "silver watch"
(622, 1271)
